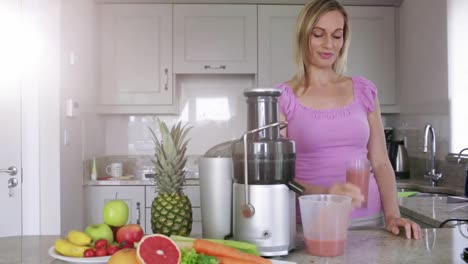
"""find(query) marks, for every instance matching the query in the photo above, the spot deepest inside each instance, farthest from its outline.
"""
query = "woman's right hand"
(350, 190)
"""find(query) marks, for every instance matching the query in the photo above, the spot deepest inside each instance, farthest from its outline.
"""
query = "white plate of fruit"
(56, 255)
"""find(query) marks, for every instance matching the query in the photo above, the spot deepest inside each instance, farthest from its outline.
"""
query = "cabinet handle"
(138, 213)
(221, 67)
(166, 72)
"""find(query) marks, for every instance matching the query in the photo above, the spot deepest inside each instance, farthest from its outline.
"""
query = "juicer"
(264, 190)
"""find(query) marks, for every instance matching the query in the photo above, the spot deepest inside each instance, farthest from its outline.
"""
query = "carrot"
(218, 250)
(226, 260)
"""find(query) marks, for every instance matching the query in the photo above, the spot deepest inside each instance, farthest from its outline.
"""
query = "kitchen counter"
(442, 245)
(431, 211)
(116, 182)
(363, 246)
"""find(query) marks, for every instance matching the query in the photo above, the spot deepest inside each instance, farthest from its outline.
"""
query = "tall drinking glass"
(357, 173)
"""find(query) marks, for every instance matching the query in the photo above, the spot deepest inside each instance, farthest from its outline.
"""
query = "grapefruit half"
(158, 249)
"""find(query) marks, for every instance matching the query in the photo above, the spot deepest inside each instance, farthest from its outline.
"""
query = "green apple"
(100, 231)
(115, 213)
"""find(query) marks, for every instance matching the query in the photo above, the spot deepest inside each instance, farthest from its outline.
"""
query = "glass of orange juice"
(357, 173)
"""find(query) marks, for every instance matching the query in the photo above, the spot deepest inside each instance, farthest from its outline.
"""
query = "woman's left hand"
(412, 230)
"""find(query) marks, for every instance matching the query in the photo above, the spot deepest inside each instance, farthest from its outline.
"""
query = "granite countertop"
(363, 246)
(431, 211)
(377, 246)
(116, 182)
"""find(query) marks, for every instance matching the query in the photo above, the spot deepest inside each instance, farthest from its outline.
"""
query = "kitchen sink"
(427, 190)
(414, 192)
(431, 195)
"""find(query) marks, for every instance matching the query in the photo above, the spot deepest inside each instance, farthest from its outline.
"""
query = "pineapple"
(171, 211)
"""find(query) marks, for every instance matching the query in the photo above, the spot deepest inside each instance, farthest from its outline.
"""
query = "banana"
(69, 249)
(79, 238)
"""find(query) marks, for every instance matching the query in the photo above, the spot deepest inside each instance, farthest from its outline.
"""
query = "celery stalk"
(187, 242)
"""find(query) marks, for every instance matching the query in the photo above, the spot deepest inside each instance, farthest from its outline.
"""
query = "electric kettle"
(399, 158)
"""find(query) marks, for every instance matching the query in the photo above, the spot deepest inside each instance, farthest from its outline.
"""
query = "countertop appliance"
(264, 190)
(399, 159)
(247, 186)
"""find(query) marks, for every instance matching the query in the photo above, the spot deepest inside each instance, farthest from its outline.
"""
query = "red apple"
(129, 234)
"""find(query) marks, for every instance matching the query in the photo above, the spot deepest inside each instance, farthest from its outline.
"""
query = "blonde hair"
(306, 21)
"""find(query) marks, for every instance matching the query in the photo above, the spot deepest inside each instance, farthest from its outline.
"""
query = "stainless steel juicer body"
(264, 208)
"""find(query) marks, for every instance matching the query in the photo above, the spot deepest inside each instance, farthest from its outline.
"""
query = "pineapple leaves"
(170, 157)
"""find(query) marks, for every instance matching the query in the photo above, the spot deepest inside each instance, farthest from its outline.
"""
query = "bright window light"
(20, 41)
(457, 21)
(215, 109)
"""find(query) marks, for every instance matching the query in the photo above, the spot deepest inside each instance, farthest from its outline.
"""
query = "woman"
(333, 117)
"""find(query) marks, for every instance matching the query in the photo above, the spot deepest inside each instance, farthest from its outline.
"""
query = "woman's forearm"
(387, 186)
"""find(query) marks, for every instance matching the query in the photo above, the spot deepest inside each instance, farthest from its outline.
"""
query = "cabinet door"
(276, 29)
(371, 53)
(136, 54)
(372, 50)
(215, 38)
(97, 196)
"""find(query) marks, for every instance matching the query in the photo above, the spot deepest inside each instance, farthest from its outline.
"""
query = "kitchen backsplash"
(412, 126)
(213, 105)
(454, 174)
(132, 165)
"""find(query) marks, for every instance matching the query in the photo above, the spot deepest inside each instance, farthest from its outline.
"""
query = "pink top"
(325, 139)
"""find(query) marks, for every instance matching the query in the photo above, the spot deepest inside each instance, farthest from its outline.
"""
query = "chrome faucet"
(432, 173)
(459, 154)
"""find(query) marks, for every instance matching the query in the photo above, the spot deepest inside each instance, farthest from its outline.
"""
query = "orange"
(124, 256)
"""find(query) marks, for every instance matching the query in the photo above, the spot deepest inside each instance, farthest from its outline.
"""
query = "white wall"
(78, 82)
(423, 73)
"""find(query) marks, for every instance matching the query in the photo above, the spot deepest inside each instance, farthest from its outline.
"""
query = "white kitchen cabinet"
(276, 27)
(215, 38)
(193, 193)
(135, 57)
(97, 196)
(371, 53)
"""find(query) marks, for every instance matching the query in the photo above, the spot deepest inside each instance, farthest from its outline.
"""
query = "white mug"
(114, 169)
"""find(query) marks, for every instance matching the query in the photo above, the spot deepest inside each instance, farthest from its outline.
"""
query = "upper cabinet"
(276, 28)
(143, 46)
(135, 58)
(372, 50)
(215, 38)
(371, 53)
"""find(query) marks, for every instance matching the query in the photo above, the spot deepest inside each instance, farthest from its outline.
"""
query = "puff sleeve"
(287, 101)
(366, 93)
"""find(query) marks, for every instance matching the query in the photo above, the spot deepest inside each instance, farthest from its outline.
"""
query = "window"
(457, 28)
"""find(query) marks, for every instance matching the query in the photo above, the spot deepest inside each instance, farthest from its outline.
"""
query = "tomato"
(101, 243)
(111, 249)
(89, 253)
(101, 252)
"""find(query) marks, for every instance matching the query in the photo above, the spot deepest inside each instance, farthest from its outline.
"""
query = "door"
(10, 118)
